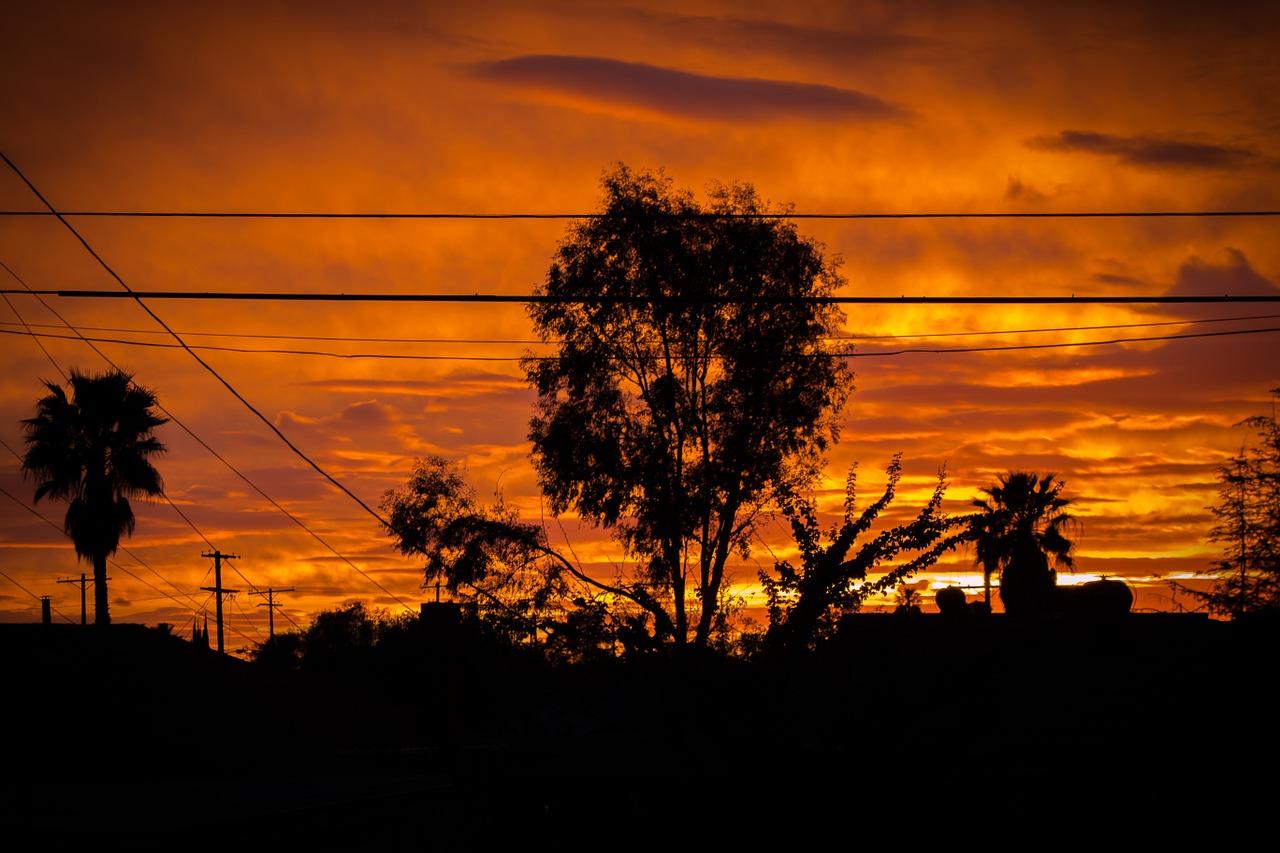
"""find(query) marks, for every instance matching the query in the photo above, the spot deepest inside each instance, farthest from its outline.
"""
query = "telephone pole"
(217, 589)
(84, 582)
(271, 606)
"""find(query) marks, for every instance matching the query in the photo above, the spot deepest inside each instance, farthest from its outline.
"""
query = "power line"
(254, 590)
(1061, 345)
(855, 336)
(117, 565)
(520, 358)
(140, 561)
(420, 215)
(542, 299)
(63, 373)
(24, 323)
(262, 351)
(138, 299)
(11, 580)
(129, 293)
(1093, 328)
(235, 471)
(330, 338)
(217, 456)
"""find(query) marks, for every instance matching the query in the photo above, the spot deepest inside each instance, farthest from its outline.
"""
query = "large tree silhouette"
(1018, 532)
(94, 450)
(691, 382)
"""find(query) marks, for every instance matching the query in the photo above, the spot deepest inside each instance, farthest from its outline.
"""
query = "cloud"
(1016, 189)
(456, 384)
(1159, 153)
(753, 36)
(648, 89)
(1235, 277)
(1110, 278)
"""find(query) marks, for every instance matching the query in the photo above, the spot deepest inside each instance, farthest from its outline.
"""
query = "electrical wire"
(113, 563)
(13, 581)
(254, 590)
(853, 337)
(523, 358)
(138, 296)
(207, 367)
(224, 461)
(543, 299)
(777, 214)
(139, 560)
(1060, 345)
(265, 496)
(8, 302)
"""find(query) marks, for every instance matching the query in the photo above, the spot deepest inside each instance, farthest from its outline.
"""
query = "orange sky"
(508, 107)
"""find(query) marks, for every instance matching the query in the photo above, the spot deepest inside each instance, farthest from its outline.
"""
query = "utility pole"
(271, 606)
(217, 589)
(83, 583)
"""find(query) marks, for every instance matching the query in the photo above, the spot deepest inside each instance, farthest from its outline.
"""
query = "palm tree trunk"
(100, 614)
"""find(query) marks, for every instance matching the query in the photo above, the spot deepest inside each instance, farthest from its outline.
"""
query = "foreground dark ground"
(1152, 726)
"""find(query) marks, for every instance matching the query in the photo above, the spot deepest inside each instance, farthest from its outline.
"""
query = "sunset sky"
(498, 107)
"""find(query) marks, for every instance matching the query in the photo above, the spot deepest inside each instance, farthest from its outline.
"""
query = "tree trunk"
(100, 614)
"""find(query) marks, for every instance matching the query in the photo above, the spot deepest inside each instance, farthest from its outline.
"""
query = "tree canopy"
(832, 579)
(692, 382)
(521, 587)
(93, 449)
(1247, 523)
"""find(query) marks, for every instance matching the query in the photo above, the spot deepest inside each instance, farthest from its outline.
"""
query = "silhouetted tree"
(346, 637)
(583, 633)
(805, 601)
(350, 637)
(340, 637)
(482, 552)
(282, 651)
(691, 383)
(94, 450)
(1247, 517)
(1019, 533)
(907, 600)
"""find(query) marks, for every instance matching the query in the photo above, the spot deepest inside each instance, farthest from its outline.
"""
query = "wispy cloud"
(634, 86)
(778, 38)
(1149, 151)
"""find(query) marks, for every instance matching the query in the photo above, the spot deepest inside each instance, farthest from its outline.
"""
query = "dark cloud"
(1209, 378)
(1109, 278)
(1017, 190)
(684, 95)
(368, 414)
(792, 41)
(1149, 152)
(1234, 278)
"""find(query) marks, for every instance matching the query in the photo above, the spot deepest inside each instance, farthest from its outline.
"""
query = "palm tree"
(1019, 533)
(94, 450)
